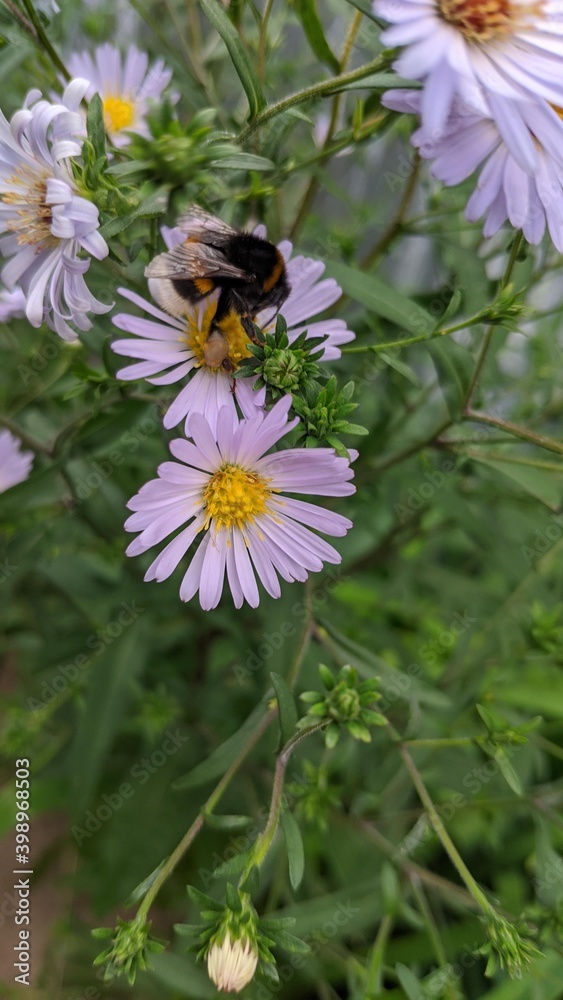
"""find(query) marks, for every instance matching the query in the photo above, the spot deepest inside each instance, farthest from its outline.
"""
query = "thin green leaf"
(239, 56)
(380, 298)
(95, 125)
(221, 758)
(287, 710)
(454, 367)
(307, 13)
(295, 850)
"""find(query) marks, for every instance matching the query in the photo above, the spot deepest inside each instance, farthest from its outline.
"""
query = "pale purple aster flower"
(482, 50)
(171, 349)
(12, 304)
(504, 191)
(46, 221)
(126, 86)
(226, 488)
(15, 464)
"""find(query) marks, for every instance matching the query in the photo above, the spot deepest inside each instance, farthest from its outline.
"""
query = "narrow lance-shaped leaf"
(239, 56)
(295, 850)
(308, 15)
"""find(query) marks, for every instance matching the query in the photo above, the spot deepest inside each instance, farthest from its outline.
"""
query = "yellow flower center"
(234, 497)
(230, 327)
(118, 113)
(32, 224)
(483, 20)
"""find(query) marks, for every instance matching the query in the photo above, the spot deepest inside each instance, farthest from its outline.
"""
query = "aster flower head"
(15, 464)
(171, 349)
(504, 191)
(45, 219)
(126, 86)
(486, 51)
(227, 489)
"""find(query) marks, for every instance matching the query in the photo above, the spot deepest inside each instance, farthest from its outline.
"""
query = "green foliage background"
(449, 589)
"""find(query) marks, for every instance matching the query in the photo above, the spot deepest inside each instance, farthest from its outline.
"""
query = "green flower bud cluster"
(345, 702)
(508, 947)
(324, 416)
(129, 949)
(283, 367)
(175, 154)
(315, 796)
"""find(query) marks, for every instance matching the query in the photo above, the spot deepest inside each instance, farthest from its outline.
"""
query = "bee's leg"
(222, 310)
(249, 329)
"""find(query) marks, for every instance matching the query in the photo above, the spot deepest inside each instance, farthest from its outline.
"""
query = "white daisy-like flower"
(46, 220)
(484, 50)
(12, 304)
(15, 464)
(125, 85)
(231, 965)
(227, 490)
(170, 350)
(504, 191)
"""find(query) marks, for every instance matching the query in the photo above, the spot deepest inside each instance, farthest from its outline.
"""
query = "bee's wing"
(194, 260)
(201, 225)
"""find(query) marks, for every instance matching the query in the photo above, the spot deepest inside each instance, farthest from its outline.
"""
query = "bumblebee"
(249, 271)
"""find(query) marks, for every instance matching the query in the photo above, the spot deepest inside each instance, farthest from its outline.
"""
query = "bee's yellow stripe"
(276, 274)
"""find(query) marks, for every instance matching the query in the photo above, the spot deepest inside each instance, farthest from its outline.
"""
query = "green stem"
(491, 329)
(419, 339)
(412, 449)
(516, 431)
(43, 41)
(313, 184)
(444, 837)
(459, 741)
(396, 224)
(374, 966)
(309, 93)
(263, 38)
(264, 841)
(210, 804)
(36, 446)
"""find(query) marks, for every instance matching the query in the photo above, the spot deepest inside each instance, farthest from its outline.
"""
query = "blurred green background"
(449, 590)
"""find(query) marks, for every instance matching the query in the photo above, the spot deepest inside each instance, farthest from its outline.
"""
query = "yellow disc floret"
(118, 113)
(483, 20)
(32, 219)
(231, 328)
(233, 497)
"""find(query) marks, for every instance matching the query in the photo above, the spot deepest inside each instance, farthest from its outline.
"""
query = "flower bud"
(232, 964)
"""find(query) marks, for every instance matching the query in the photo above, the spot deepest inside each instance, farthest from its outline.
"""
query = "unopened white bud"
(232, 964)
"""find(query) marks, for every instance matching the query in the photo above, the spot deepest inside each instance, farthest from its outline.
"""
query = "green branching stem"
(515, 250)
(210, 804)
(264, 841)
(418, 339)
(313, 184)
(42, 40)
(310, 93)
(444, 837)
(516, 431)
